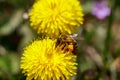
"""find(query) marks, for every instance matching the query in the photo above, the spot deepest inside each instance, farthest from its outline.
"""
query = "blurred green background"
(98, 54)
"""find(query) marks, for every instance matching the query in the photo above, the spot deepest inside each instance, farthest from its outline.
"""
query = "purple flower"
(100, 9)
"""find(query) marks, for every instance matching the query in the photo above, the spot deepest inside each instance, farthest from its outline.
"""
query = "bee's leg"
(66, 47)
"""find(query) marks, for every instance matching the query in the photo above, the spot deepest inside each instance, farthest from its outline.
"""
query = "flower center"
(49, 56)
(53, 6)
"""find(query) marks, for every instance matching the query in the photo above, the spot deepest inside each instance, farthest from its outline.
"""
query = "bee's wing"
(77, 37)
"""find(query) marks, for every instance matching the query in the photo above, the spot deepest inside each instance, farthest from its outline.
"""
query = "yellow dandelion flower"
(53, 17)
(41, 60)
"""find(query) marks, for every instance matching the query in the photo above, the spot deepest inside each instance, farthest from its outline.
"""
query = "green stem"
(106, 53)
(108, 34)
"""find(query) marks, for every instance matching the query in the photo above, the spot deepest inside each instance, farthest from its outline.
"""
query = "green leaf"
(13, 23)
(5, 66)
(15, 63)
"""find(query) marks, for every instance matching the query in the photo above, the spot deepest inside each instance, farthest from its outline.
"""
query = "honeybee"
(68, 42)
